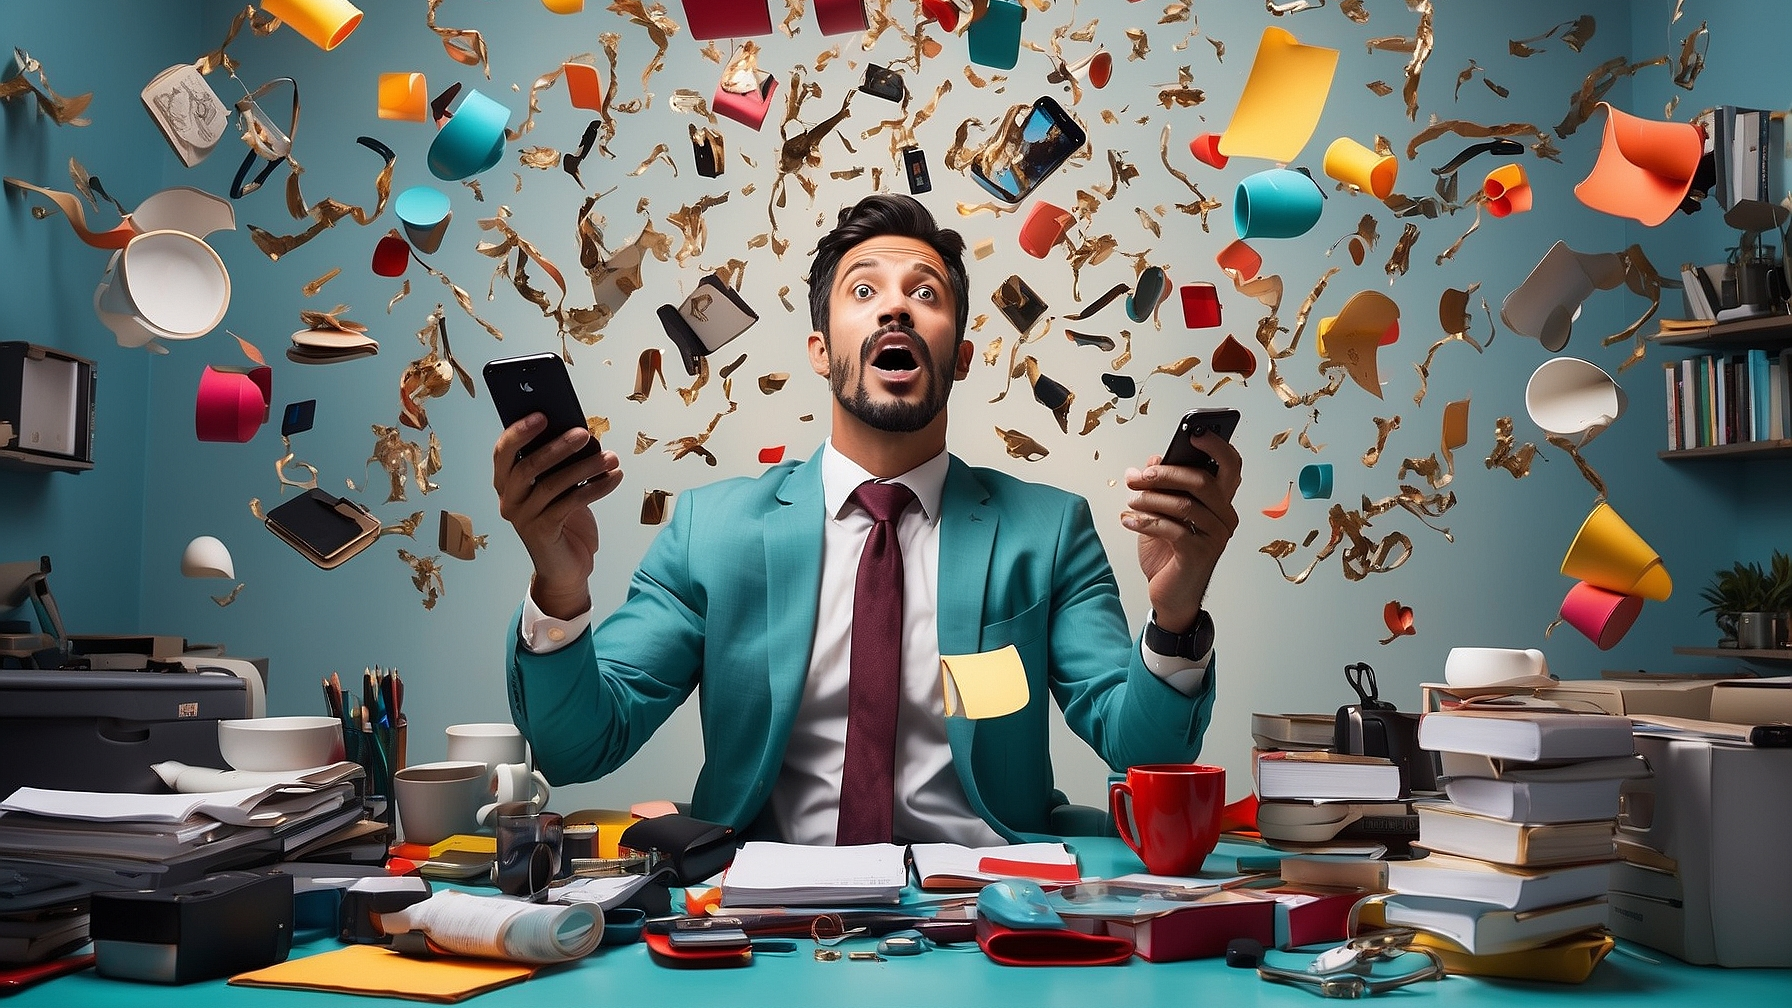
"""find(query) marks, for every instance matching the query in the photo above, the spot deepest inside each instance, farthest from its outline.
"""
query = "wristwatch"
(1193, 644)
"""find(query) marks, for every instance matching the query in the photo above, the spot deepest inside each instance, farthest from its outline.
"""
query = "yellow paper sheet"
(1282, 99)
(987, 685)
(369, 969)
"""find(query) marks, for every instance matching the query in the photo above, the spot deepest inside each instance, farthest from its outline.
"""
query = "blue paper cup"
(425, 212)
(1316, 481)
(470, 142)
(1278, 203)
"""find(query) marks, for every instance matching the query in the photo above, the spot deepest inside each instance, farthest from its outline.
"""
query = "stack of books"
(1520, 853)
(1723, 399)
(1312, 798)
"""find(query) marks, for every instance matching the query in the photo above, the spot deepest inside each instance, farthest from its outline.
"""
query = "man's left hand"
(1184, 518)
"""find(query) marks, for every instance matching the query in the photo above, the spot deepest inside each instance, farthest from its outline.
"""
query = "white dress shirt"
(930, 801)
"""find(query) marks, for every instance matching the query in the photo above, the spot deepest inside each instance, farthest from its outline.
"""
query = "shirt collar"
(840, 476)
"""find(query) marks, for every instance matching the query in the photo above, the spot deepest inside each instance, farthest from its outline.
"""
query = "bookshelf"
(1779, 655)
(1772, 333)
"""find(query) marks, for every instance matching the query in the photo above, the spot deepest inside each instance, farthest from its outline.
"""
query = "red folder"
(1199, 932)
(1049, 946)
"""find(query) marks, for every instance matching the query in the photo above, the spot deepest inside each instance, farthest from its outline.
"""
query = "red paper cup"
(1200, 306)
(1603, 616)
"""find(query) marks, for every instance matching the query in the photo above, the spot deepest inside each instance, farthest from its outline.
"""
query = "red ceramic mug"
(1169, 814)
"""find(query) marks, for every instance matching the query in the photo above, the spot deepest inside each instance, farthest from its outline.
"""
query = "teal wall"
(117, 533)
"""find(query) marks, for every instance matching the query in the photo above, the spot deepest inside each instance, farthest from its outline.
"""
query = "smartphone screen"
(1195, 423)
(538, 383)
(1048, 138)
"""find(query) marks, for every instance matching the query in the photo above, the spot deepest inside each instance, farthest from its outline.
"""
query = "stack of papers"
(780, 874)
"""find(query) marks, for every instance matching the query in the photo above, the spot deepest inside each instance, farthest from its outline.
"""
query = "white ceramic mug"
(491, 743)
(438, 800)
(1485, 666)
(516, 782)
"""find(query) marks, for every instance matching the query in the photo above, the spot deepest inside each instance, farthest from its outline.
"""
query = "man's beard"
(896, 416)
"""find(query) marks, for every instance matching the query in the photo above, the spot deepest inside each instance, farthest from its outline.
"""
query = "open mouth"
(894, 358)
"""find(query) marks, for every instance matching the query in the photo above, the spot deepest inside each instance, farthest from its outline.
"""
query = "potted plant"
(1750, 603)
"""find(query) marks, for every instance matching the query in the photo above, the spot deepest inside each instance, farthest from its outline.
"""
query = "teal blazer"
(725, 603)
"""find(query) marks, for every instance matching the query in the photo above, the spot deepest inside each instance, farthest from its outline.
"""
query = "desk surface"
(1634, 976)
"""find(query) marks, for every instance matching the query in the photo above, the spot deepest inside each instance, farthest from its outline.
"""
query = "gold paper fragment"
(1381, 88)
(1400, 259)
(542, 158)
(769, 383)
(62, 111)
(1580, 461)
(1183, 93)
(1304, 439)
(1583, 103)
(255, 508)
(1383, 427)
(401, 459)
(1692, 57)
(598, 426)
(463, 45)
(1354, 10)
(1543, 148)
(311, 289)
(426, 576)
(406, 527)
(660, 28)
(659, 153)
(1516, 461)
(689, 221)
(1580, 32)
(1141, 45)
(651, 365)
(643, 442)
(1020, 446)
(1364, 556)
(1280, 438)
(1424, 39)
(224, 600)
(689, 395)
(404, 291)
(680, 447)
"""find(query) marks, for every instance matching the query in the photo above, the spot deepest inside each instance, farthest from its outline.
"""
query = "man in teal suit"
(748, 595)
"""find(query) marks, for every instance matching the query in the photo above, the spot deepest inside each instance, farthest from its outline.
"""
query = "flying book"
(1527, 734)
(1447, 830)
(1327, 776)
(1536, 801)
(1520, 889)
(1485, 929)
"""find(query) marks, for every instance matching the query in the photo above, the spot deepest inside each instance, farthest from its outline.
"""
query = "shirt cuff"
(1183, 675)
(543, 634)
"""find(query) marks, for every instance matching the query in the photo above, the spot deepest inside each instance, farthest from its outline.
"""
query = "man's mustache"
(923, 354)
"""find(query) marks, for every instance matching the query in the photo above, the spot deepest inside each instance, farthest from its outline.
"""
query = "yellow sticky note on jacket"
(987, 685)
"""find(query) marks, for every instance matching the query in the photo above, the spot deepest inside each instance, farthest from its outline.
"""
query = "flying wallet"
(326, 530)
(712, 316)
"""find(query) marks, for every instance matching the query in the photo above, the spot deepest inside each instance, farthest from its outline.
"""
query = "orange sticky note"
(583, 86)
(404, 96)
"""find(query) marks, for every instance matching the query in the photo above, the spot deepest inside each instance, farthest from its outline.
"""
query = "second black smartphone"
(538, 383)
(1049, 136)
(1195, 423)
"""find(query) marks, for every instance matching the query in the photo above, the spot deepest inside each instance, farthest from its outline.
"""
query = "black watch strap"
(1193, 645)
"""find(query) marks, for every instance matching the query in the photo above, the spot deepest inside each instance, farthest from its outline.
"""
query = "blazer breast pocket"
(1019, 630)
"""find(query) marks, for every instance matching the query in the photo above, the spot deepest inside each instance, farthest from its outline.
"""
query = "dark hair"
(885, 214)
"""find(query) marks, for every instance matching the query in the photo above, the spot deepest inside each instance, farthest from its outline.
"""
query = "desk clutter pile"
(1514, 828)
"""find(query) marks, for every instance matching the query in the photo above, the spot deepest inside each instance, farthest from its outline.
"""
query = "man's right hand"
(552, 514)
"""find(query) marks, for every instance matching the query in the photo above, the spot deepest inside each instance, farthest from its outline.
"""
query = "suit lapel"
(793, 540)
(967, 537)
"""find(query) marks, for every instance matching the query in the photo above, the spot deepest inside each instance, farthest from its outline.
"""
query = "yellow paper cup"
(404, 96)
(1607, 553)
(1353, 164)
(324, 22)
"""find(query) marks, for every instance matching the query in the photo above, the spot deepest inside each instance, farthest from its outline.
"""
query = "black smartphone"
(1048, 137)
(914, 164)
(538, 383)
(1195, 423)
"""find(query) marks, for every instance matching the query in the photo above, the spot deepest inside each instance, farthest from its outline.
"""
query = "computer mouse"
(1017, 903)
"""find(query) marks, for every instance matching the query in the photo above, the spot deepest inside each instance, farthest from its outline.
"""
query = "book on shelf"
(1323, 776)
(1447, 876)
(1700, 299)
(1448, 830)
(1527, 734)
(1536, 801)
(765, 873)
(956, 868)
(1485, 929)
(1298, 732)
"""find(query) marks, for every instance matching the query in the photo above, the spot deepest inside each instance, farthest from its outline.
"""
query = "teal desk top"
(1633, 976)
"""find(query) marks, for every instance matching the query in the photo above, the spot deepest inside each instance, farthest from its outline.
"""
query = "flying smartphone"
(1195, 423)
(538, 383)
(1048, 137)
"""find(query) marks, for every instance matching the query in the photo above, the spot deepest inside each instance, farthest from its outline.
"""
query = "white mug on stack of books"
(504, 751)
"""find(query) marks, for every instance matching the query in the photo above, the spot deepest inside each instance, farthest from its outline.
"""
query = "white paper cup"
(1485, 666)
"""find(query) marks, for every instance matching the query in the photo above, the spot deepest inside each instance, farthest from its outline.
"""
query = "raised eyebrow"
(873, 261)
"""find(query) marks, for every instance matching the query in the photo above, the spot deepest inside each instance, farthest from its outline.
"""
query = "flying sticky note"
(583, 86)
(1644, 169)
(404, 96)
(988, 685)
(1282, 99)
(1351, 339)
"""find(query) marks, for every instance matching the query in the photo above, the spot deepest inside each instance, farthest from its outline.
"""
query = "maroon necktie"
(868, 783)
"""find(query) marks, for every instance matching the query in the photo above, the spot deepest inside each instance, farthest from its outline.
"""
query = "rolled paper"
(839, 17)
(471, 141)
(1350, 340)
(564, 6)
(1398, 619)
(1603, 616)
(391, 256)
(1353, 164)
(184, 208)
(583, 86)
(1544, 306)
(1508, 190)
(1607, 553)
(231, 405)
(206, 557)
(1645, 167)
(1200, 306)
(1278, 203)
(1152, 289)
(1278, 510)
(1206, 149)
(1569, 396)
(425, 213)
(1044, 226)
(404, 96)
(1240, 258)
(1282, 99)
(1316, 481)
(1233, 357)
(325, 23)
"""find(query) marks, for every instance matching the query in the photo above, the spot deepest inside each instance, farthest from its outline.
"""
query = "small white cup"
(516, 782)
(491, 743)
(1487, 666)
(438, 800)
